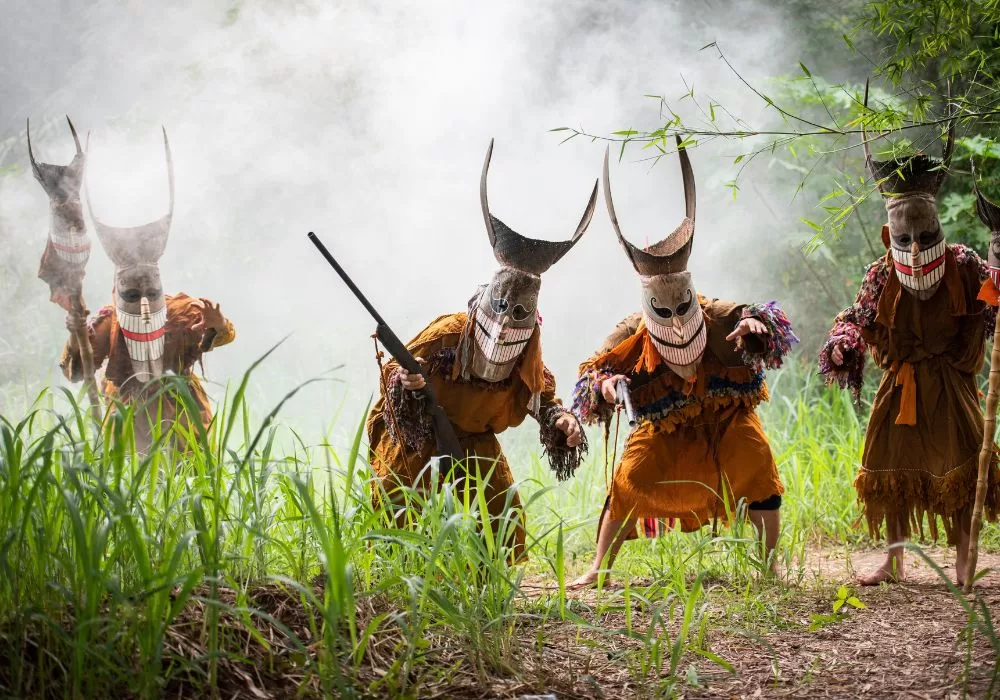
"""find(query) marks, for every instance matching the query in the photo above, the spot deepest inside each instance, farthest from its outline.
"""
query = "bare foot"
(588, 580)
(890, 572)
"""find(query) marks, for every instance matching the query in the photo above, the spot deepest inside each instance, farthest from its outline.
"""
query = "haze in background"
(367, 122)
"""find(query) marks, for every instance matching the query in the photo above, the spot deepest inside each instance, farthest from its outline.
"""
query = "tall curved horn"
(86, 190)
(949, 144)
(581, 228)
(588, 214)
(31, 154)
(611, 210)
(864, 132)
(170, 172)
(76, 139)
(483, 199)
(687, 174)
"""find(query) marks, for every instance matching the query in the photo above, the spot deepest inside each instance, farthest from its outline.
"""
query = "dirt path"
(905, 644)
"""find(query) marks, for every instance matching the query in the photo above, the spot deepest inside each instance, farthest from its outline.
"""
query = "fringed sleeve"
(99, 330)
(847, 332)
(404, 415)
(772, 346)
(988, 291)
(403, 411)
(588, 404)
(563, 459)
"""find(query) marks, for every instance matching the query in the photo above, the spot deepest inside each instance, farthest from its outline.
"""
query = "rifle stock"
(446, 440)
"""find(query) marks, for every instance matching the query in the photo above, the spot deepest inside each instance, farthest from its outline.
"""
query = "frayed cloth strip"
(778, 340)
(563, 460)
(849, 374)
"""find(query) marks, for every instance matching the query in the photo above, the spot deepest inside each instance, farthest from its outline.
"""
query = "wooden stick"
(985, 458)
(78, 313)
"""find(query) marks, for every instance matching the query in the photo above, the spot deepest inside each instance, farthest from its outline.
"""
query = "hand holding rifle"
(412, 381)
(615, 390)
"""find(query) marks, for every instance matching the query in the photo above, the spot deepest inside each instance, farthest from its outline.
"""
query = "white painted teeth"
(144, 350)
(680, 356)
(489, 341)
(927, 280)
(63, 243)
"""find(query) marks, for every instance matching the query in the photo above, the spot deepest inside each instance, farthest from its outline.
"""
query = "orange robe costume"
(183, 348)
(926, 426)
(696, 440)
(478, 410)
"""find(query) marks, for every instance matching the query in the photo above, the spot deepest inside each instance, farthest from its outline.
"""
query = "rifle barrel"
(347, 280)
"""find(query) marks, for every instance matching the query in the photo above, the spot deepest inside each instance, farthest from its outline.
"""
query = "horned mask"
(68, 234)
(909, 186)
(139, 302)
(504, 313)
(670, 307)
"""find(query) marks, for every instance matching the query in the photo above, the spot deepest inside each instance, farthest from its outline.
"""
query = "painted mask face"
(917, 243)
(674, 320)
(505, 319)
(142, 315)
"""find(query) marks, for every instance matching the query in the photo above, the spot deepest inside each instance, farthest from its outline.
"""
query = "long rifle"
(447, 444)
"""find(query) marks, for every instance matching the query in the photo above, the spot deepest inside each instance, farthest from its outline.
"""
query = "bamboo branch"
(985, 458)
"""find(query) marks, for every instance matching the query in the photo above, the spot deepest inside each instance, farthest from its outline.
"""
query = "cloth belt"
(908, 400)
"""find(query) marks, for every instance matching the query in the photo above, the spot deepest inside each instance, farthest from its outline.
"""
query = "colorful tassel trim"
(588, 404)
(777, 342)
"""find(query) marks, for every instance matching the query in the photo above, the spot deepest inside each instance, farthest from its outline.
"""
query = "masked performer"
(695, 371)
(485, 365)
(145, 334)
(918, 314)
(68, 247)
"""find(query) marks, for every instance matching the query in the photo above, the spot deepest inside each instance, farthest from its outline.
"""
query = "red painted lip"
(907, 270)
(144, 337)
(71, 248)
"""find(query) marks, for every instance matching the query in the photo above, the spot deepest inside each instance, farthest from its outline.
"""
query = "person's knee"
(772, 503)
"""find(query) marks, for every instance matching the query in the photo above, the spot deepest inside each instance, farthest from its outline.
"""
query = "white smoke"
(367, 122)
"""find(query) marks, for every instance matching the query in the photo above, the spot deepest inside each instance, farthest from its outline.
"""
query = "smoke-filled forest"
(222, 476)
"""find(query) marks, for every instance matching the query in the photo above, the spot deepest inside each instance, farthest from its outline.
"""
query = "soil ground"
(904, 645)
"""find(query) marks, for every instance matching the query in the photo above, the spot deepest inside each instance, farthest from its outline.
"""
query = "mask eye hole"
(905, 239)
(520, 313)
(685, 305)
(500, 305)
(927, 237)
(661, 311)
(131, 296)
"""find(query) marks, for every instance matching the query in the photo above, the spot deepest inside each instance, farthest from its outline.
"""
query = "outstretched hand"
(747, 326)
(211, 316)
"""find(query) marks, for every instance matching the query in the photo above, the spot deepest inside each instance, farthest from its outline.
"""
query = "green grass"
(251, 554)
